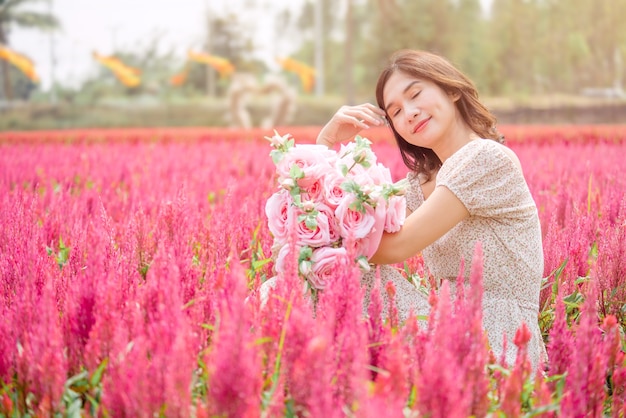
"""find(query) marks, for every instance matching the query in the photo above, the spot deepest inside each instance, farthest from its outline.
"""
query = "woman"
(465, 187)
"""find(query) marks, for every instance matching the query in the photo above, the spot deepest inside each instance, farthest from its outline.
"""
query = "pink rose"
(314, 160)
(358, 171)
(277, 210)
(327, 261)
(317, 237)
(372, 240)
(356, 248)
(333, 227)
(363, 179)
(279, 264)
(367, 245)
(350, 154)
(379, 174)
(352, 223)
(396, 213)
(333, 193)
(282, 259)
(314, 190)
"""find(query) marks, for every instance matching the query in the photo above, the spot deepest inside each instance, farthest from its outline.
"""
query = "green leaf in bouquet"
(295, 172)
(360, 157)
(344, 169)
(306, 253)
(311, 221)
(363, 263)
(386, 191)
(401, 186)
(362, 153)
(396, 189)
(351, 186)
(358, 206)
(296, 197)
(362, 142)
(277, 155)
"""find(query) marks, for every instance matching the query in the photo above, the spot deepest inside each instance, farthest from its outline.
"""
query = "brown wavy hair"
(434, 68)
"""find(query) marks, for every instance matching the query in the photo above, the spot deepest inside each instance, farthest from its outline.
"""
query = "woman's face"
(420, 111)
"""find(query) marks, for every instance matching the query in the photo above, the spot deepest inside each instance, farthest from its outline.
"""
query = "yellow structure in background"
(223, 66)
(127, 75)
(304, 71)
(20, 61)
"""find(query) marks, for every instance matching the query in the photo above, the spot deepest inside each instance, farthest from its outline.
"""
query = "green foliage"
(255, 259)
(82, 394)
(83, 391)
(530, 405)
(520, 47)
(60, 254)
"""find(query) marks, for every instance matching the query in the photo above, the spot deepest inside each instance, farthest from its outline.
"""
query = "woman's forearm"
(436, 216)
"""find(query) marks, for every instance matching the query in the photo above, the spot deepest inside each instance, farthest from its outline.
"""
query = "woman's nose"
(413, 114)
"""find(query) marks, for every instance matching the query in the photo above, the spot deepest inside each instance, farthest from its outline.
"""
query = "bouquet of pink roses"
(338, 202)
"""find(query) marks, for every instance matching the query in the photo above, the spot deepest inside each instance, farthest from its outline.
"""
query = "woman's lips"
(420, 125)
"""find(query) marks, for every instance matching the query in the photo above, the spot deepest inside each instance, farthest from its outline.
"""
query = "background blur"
(106, 63)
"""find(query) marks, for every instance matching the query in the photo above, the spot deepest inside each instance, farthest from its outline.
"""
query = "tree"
(12, 13)
(227, 38)
(323, 44)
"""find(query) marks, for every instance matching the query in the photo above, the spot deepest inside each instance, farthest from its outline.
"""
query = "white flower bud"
(360, 156)
(375, 194)
(277, 140)
(305, 267)
(367, 189)
(288, 183)
(308, 205)
(364, 265)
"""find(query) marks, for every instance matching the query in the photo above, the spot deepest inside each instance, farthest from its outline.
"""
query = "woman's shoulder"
(481, 154)
(498, 149)
(486, 176)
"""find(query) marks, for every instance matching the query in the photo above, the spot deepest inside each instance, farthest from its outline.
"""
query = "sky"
(106, 25)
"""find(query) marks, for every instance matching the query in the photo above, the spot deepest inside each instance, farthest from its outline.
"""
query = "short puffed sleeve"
(486, 180)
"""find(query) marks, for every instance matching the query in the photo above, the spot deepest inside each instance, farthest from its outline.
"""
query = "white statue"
(244, 87)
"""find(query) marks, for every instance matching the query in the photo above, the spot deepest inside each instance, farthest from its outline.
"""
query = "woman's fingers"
(363, 116)
(348, 121)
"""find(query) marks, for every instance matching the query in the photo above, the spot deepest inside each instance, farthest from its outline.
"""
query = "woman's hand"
(349, 121)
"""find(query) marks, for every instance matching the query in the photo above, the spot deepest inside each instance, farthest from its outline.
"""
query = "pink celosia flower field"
(130, 263)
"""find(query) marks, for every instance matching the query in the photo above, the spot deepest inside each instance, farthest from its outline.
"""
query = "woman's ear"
(454, 95)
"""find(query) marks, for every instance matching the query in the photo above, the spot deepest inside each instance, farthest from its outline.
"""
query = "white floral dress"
(504, 218)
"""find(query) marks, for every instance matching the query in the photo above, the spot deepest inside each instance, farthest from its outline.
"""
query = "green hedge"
(308, 111)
